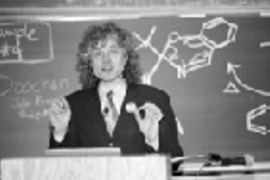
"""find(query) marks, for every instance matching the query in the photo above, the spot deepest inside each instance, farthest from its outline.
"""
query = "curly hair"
(95, 33)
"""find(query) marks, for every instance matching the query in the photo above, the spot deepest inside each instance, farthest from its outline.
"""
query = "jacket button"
(110, 144)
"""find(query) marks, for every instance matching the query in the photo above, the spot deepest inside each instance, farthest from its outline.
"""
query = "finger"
(65, 104)
(61, 105)
(152, 112)
(137, 115)
(53, 118)
(54, 112)
(56, 109)
(57, 102)
(148, 105)
(152, 107)
(146, 112)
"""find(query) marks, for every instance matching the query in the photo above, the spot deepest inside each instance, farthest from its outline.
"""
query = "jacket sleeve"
(71, 136)
(168, 134)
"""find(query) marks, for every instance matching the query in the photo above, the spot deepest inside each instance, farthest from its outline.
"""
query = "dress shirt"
(119, 92)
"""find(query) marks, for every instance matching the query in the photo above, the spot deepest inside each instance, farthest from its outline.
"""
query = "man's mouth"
(107, 69)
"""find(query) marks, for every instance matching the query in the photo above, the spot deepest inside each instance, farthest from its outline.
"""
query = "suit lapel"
(125, 117)
(94, 113)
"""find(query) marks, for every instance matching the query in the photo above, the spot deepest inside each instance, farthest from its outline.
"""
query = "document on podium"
(108, 151)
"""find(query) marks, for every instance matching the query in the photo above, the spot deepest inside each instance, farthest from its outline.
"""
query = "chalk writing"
(201, 42)
(27, 100)
(10, 86)
(18, 33)
(17, 42)
(6, 50)
(32, 109)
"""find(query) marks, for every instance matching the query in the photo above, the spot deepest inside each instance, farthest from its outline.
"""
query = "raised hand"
(59, 115)
(148, 123)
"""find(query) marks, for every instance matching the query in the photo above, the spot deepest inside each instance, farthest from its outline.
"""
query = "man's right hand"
(59, 115)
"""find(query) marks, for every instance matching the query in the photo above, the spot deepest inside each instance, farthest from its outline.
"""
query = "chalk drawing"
(170, 52)
(171, 55)
(231, 69)
(251, 117)
(231, 88)
(253, 113)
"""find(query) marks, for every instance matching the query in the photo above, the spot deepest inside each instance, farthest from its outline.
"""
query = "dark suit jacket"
(87, 127)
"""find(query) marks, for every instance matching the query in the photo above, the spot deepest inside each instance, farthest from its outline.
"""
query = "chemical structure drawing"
(231, 69)
(253, 113)
(170, 54)
(257, 112)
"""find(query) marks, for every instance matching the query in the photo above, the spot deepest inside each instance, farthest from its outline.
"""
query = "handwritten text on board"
(25, 43)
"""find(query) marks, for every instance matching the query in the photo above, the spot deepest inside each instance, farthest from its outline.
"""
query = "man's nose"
(106, 58)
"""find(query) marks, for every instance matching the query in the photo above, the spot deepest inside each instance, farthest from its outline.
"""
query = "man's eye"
(115, 51)
(97, 54)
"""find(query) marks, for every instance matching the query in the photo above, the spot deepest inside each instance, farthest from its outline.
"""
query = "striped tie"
(111, 124)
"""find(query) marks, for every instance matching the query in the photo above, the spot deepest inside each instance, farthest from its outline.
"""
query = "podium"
(147, 167)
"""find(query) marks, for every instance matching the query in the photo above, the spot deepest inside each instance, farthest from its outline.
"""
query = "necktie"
(114, 114)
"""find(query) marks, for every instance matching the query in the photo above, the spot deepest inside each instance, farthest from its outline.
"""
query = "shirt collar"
(115, 86)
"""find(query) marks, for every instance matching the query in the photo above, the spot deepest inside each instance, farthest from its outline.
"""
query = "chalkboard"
(214, 68)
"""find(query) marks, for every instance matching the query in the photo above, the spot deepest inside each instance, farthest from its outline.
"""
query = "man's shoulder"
(150, 90)
(81, 94)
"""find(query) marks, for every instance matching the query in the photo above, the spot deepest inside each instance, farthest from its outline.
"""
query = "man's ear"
(125, 58)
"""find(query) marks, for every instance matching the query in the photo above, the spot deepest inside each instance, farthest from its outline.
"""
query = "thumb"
(137, 115)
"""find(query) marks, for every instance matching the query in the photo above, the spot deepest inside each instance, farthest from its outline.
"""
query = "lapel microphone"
(105, 111)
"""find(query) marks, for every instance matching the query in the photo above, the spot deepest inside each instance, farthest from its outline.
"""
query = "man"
(113, 108)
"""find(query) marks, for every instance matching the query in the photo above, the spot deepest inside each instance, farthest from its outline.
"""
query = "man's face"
(108, 59)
